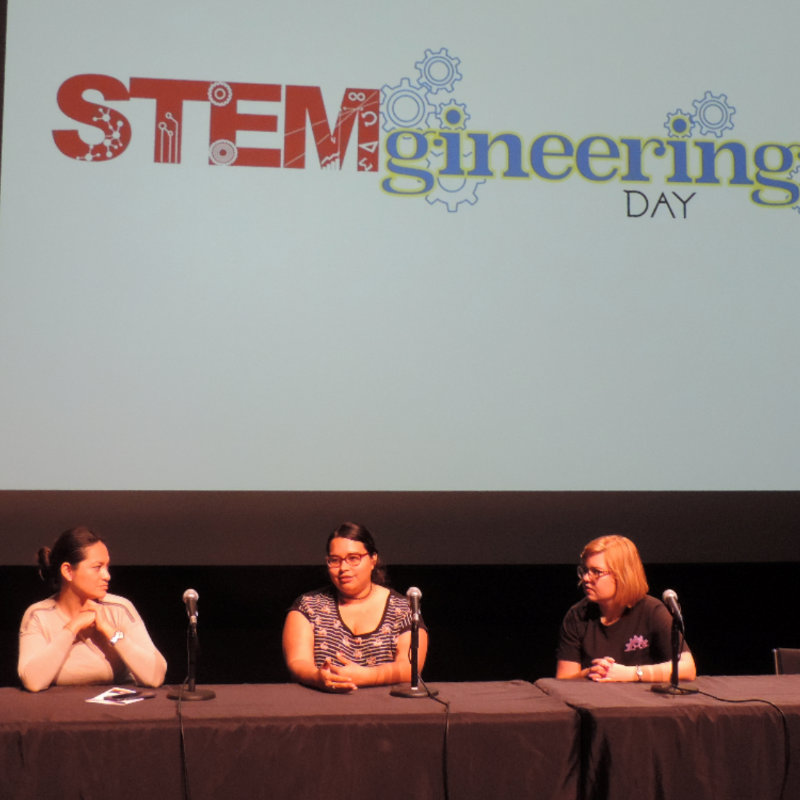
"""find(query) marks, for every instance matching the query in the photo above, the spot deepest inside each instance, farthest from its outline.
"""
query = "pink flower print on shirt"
(637, 642)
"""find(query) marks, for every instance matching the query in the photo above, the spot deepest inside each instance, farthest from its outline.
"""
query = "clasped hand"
(606, 669)
(91, 614)
(340, 677)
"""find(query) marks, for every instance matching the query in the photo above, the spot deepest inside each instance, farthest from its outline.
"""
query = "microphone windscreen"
(414, 595)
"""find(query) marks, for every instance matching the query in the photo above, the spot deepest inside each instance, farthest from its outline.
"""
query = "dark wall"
(433, 528)
(486, 622)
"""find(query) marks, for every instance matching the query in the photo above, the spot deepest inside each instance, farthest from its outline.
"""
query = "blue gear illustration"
(795, 176)
(438, 71)
(679, 124)
(452, 116)
(451, 190)
(713, 114)
(404, 106)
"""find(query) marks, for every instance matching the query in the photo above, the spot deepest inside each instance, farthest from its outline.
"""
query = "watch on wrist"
(116, 637)
(639, 674)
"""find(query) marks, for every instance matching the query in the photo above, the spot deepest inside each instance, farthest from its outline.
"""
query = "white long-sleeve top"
(50, 653)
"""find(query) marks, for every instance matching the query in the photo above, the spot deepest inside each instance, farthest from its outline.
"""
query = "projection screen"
(506, 247)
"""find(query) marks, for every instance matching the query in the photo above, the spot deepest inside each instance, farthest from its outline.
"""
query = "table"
(498, 740)
(638, 744)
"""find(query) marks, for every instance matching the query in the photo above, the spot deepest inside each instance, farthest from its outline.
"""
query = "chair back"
(787, 660)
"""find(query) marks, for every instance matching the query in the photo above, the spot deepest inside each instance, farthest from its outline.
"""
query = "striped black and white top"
(332, 636)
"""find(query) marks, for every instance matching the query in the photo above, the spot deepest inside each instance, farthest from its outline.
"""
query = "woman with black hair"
(83, 634)
(355, 632)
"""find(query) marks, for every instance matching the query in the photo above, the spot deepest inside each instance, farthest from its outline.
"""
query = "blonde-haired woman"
(617, 632)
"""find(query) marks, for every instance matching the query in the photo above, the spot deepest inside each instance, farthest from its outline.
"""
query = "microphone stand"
(673, 687)
(413, 689)
(188, 690)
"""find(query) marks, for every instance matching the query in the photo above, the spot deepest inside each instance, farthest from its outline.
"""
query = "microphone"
(670, 599)
(413, 689)
(414, 595)
(189, 690)
(190, 598)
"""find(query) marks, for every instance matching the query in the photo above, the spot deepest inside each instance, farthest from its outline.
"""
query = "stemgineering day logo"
(417, 133)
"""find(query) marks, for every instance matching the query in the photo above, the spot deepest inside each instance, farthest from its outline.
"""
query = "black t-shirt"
(642, 635)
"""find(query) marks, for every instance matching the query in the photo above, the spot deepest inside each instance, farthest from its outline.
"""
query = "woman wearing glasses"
(618, 632)
(355, 632)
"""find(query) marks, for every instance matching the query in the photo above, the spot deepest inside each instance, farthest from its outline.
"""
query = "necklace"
(345, 601)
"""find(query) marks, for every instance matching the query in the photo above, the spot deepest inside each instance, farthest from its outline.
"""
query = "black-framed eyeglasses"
(592, 572)
(351, 559)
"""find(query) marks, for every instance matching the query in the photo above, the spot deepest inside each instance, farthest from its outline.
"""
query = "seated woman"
(618, 632)
(356, 632)
(82, 634)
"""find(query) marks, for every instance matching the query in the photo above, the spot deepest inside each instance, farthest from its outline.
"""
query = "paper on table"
(117, 696)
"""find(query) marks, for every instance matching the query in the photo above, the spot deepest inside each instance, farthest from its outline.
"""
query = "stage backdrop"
(406, 254)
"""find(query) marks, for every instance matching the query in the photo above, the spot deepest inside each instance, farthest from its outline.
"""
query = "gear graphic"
(438, 71)
(404, 106)
(679, 124)
(452, 116)
(413, 105)
(223, 152)
(220, 93)
(713, 114)
(454, 190)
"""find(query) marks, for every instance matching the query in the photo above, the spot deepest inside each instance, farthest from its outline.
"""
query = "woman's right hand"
(84, 619)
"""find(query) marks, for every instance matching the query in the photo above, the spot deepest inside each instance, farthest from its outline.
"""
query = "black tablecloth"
(498, 740)
(638, 744)
(558, 739)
